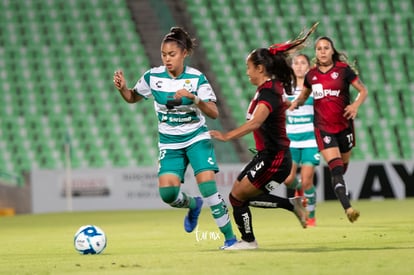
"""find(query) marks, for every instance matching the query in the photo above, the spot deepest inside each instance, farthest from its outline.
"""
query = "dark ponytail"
(182, 38)
(274, 59)
(276, 66)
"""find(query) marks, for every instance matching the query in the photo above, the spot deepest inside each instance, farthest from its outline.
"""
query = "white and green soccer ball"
(89, 239)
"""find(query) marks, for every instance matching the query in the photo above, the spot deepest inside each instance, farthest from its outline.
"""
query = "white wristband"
(196, 100)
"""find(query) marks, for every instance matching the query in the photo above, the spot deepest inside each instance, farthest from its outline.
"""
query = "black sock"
(338, 183)
(270, 201)
(243, 218)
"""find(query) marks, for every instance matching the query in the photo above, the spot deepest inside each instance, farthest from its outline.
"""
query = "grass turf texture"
(154, 242)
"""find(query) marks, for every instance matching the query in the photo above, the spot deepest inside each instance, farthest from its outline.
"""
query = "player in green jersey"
(182, 96)
(300, 130)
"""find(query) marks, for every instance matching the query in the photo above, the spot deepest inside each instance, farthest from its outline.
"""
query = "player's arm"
(209, 108)
(352, 110)
(127, 94)
(259, 116)
(300, 100)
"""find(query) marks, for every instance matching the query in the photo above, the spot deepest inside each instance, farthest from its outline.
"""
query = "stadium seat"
(360, 7)
(376, 35)
(402, 7)
(57, 59)
(58, 55)
(312, 7)
(335, 7)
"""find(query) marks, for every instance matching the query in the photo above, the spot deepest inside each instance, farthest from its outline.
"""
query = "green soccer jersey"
(182, 125)
(299, 123)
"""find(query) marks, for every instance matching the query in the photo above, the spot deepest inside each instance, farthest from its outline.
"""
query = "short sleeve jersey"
(271, 135)
(331, 95)
(182, 125)
(299, 123)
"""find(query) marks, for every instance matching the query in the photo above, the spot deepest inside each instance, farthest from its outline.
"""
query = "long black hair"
(182, 38)
(276, 66)
(275, 58)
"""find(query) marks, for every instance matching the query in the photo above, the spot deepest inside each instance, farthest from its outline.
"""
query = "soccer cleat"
(242, 245)
(300, 211)
(311, 222)
(352, 214)
(228, 243)
(190, 221)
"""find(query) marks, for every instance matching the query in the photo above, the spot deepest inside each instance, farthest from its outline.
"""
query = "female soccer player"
(182, 95)
(300, 130)
(329, 82)
(303, 147)
(270, 72)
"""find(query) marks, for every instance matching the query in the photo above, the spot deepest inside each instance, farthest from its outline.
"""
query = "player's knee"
(169, 194)
(336, 166)
(235, 202)
(307, 183)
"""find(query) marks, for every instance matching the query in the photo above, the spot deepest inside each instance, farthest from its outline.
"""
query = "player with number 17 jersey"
(331, 95)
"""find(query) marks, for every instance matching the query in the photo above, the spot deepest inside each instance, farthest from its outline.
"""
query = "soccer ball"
(89, 239)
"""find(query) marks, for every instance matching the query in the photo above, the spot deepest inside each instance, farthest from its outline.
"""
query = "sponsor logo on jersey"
(294, 120)
(158, 84)
(327, 92)
(171, 119)
(319, 92)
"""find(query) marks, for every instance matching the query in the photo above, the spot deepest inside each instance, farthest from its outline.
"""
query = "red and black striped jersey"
(331, 95)
(271, 135)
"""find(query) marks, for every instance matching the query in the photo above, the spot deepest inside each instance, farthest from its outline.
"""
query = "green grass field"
(154, 242)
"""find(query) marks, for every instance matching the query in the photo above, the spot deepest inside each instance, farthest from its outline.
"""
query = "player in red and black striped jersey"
(270, 72)
(331, 96)
(330, 82)
(270, 93)
(266, 118)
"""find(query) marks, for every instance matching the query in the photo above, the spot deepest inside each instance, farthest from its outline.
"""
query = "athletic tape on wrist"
(196, 100)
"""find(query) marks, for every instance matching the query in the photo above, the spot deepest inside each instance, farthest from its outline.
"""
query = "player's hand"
(184, 93)
(350, 112)
(119, 80)
(217, 135)
(293, 105)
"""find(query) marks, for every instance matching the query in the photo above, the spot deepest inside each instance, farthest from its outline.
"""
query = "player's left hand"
(119, 80)
(292, 105)
(184, 93)
(350, 112)
(217, 135)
